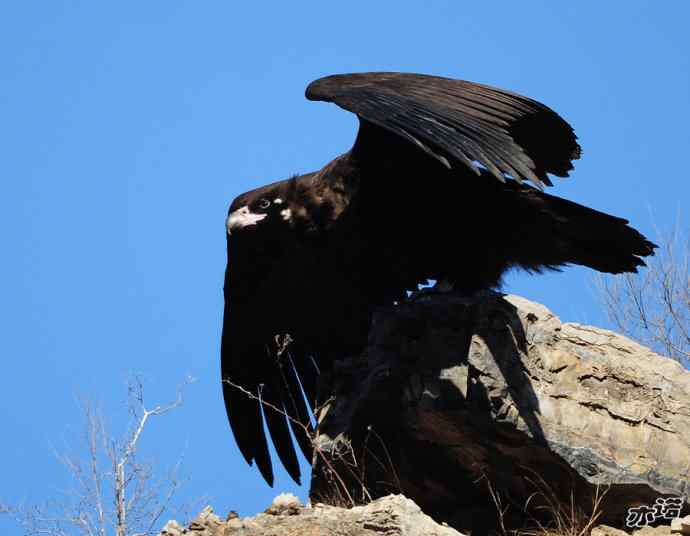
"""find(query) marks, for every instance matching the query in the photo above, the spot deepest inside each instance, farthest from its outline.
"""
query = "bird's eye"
(263, 203)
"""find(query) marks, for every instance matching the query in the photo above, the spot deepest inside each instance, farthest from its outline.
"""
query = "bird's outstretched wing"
(459, 122)
(265, 373)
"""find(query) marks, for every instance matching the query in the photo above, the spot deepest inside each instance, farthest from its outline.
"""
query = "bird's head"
(263, 208)
(262, 237)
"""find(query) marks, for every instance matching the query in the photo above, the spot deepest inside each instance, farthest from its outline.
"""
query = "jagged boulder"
(461, 403)
(393, 515)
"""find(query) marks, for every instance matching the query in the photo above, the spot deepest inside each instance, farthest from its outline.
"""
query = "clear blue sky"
(128, 127)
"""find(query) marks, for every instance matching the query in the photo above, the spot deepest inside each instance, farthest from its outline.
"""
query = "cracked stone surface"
(393, 515)
(454, 398)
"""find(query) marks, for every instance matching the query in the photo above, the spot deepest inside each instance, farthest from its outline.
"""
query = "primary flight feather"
(444, 181)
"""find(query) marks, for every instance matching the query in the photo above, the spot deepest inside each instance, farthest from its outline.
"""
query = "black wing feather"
(459, 121)
(260, 382)
(277, 426)
(241, 392)
(294, 400)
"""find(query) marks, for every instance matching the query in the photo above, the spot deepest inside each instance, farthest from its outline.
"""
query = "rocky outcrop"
(393, 515)
(463, 403)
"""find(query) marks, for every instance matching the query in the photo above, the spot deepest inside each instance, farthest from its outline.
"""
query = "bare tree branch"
(653, 307)
(114, 493)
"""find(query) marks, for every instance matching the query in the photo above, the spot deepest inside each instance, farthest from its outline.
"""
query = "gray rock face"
(393, 515)
(458, 403)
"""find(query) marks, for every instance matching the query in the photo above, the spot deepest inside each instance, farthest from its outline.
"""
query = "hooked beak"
(241, 218)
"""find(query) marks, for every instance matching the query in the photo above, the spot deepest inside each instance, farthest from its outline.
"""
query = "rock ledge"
(455, 395)
(393, 515)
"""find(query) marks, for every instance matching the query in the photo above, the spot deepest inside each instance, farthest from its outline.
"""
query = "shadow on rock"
(459, 404)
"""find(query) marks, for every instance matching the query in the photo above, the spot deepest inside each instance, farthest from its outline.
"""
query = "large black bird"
(435, 187)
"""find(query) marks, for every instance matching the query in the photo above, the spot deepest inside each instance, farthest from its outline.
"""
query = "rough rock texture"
(603, 530)
(454, 398)
(661, 530)
(393, 515)
(681, 525)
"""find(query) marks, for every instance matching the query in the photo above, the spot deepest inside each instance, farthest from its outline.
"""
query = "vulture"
(445, 181)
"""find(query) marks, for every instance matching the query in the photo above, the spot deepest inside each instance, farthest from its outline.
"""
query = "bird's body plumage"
(433, 188)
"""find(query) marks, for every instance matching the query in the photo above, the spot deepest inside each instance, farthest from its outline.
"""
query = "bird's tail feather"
(562, 232)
